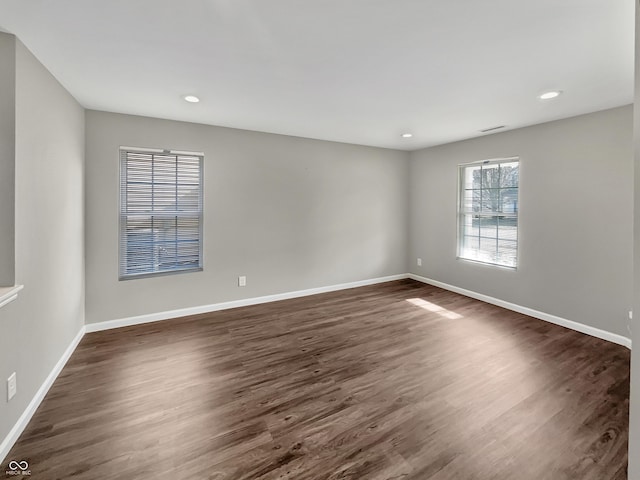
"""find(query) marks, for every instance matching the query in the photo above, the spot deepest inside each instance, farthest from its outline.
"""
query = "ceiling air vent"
(491, 129)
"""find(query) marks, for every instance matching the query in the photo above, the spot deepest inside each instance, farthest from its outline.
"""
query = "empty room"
(355, 239)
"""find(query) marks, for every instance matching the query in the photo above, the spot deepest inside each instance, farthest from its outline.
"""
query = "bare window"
(488, 212)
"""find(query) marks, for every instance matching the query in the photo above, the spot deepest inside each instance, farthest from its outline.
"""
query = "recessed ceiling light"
(191, 98)
(549, 95)
(407, 135)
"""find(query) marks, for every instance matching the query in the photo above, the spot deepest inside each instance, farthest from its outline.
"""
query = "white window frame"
(462, 213)
(124, 215)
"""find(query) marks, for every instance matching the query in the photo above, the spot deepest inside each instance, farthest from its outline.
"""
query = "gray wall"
(634, 420)
(7, 157)
(40, 324)
(575, 228)
(289, 213)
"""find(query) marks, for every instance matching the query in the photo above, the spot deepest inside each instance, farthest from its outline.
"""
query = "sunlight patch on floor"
(432, 307)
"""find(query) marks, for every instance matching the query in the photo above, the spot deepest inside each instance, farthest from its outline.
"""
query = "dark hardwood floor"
(393, 381)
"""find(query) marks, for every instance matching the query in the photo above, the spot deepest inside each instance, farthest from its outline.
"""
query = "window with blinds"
(488, 212)
(160, 212)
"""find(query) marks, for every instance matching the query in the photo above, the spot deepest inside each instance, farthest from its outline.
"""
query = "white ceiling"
(356, 71)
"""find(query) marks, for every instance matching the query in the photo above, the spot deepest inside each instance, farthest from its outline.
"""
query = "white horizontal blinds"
(160, 212)
(488, 212)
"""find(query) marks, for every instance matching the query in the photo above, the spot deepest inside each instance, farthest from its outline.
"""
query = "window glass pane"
(508, 228)
(488, 227)
(472, 177)
(509, 200)
(470, 225)
(470, 247)
(490, 200)
(490, 176)
(471, 201)
(507, 252)
(509, 174)
(488, 247)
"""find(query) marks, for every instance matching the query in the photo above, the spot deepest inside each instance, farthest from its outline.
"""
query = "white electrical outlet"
(12, 386)
(242, 281)
(630, 314)
(419, 262)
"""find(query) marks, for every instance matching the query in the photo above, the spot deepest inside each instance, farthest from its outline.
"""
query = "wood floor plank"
(393, 381)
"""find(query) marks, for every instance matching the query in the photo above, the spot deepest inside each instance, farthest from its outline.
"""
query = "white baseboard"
(24, 419)
(183, 312)
(155, 317)
(580, 327)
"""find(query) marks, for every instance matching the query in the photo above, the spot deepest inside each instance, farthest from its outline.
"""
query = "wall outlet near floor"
(242, 281)
(12, 386)
(419, 262)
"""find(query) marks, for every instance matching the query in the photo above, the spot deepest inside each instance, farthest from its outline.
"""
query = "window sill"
(9, 294)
